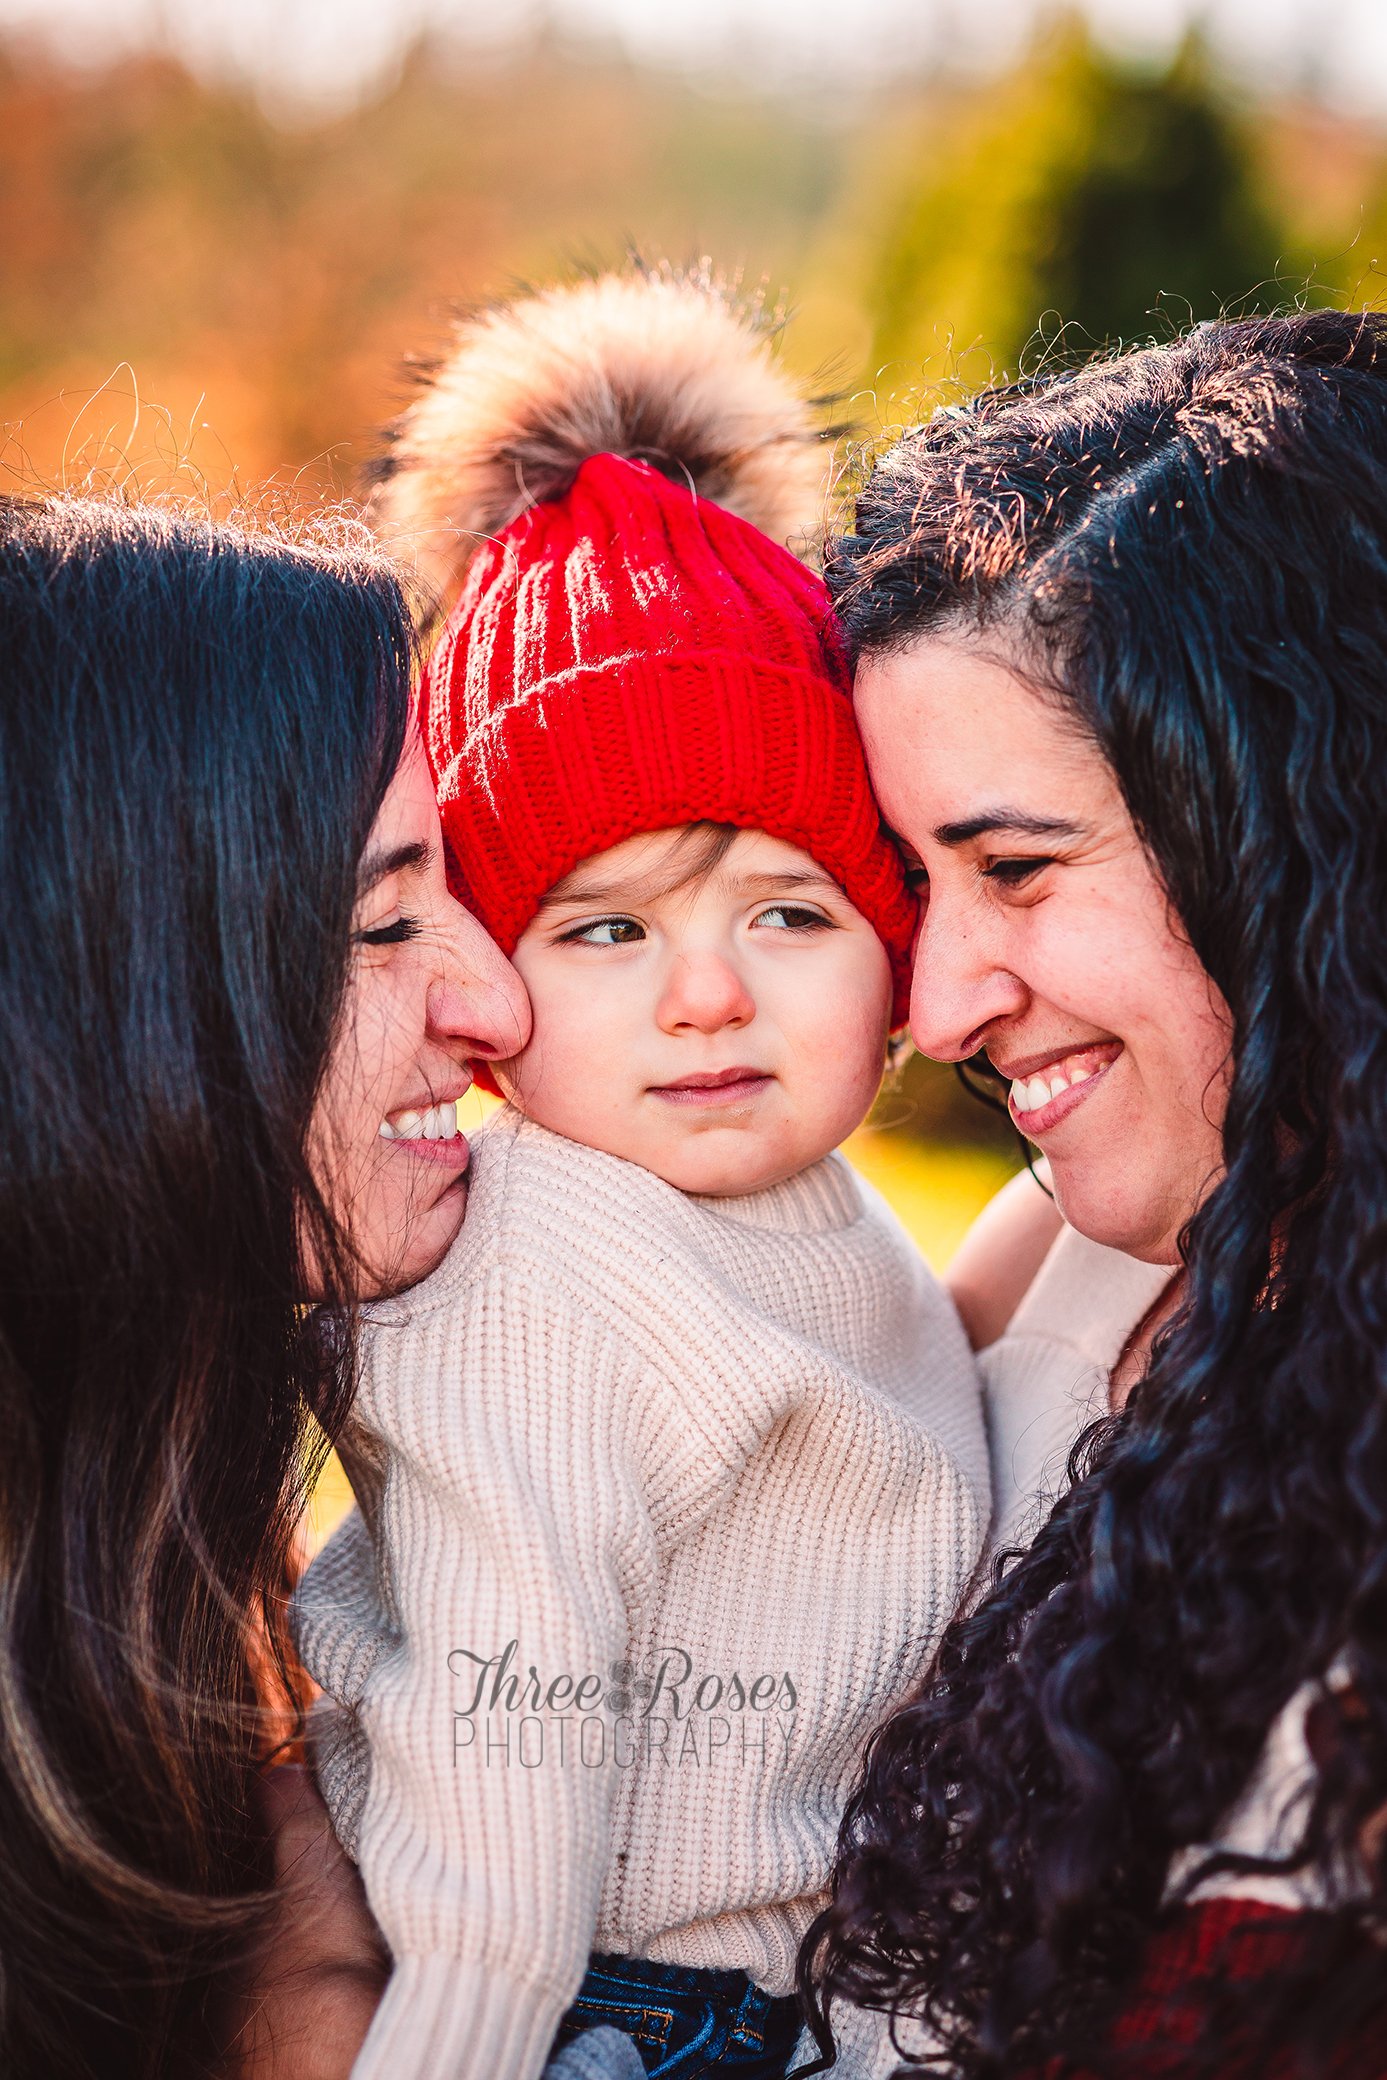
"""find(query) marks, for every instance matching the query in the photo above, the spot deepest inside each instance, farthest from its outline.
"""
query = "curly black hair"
(1190, 543)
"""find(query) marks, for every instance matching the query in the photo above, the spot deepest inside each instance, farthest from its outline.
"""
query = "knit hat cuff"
(643, 743)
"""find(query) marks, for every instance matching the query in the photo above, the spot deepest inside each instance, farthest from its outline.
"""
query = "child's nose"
(704, 993)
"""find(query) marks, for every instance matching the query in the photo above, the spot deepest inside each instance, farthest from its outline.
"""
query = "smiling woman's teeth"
(439, 1123)
(1028, 1094)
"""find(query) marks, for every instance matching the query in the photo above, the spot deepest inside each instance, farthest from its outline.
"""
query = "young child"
(671, 1475)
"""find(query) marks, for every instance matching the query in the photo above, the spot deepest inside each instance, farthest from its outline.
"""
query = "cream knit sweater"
(664, 1502)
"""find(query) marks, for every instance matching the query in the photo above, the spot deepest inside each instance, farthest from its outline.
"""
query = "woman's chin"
(1138, 1221)
(418, 1242)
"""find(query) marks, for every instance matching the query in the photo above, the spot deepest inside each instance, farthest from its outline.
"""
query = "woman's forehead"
(959, 741)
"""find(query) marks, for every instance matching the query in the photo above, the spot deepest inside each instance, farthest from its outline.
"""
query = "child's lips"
(714, 1087)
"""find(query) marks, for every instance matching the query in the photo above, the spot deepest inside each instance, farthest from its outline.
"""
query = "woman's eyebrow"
(377, 866)
(1015, 822)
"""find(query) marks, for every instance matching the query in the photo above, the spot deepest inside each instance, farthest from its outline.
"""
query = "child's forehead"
(654, 864)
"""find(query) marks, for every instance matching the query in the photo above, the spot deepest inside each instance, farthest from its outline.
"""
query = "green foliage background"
(1077, 195)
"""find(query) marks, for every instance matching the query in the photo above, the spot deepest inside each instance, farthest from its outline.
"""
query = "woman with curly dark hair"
(1120, 637)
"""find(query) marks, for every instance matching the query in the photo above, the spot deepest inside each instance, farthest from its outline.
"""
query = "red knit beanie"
(627, 654)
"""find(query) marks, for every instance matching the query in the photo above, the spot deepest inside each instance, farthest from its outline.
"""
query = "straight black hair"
(197, 726)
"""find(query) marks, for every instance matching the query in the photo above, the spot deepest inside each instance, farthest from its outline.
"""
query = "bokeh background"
(249, 212)
(226, 226)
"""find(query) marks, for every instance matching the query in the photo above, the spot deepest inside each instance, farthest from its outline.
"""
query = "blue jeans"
(685, 2022)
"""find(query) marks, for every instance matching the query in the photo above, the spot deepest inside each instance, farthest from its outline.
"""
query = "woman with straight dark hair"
(228, 960)
(1120, 638)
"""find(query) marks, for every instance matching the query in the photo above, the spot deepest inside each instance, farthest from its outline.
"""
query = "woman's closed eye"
(604, 931)
(395, 933)
(793, 917)
(1016, 872)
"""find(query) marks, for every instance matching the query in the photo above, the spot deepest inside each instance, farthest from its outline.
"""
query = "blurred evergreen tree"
(1077, 192)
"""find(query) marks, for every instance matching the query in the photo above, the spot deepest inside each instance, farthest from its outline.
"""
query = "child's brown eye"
(792, 917)
(605, 931)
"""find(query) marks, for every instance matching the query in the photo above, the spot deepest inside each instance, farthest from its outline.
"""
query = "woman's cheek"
(1077, 958)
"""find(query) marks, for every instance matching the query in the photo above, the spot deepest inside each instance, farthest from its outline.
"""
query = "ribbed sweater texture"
(722, 1458)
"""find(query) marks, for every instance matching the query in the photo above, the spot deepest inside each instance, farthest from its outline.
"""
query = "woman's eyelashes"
(1014, 873)
(395, 933)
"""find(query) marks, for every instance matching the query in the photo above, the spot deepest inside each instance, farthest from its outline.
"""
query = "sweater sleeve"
(516, 1544)
(1046, 1379)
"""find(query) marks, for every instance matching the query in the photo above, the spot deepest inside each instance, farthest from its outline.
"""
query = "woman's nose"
(959, 988)
(704, 992)
(477, 999)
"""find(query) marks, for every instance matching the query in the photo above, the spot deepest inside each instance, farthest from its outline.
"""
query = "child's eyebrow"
(781, 882)
(595, 891)
(576, 888)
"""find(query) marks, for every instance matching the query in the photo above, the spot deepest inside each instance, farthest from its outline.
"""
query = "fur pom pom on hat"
(656, 367)
(612, 470)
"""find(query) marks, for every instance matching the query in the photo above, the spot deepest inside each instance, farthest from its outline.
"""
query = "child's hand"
(323, 1968)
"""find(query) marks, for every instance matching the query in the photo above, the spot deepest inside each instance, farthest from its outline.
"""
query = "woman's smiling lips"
(713, 1087)
(429, 1131)
(1045, 1089)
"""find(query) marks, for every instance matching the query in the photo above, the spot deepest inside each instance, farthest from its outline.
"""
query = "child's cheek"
(852, 1050)
(564, 1080)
